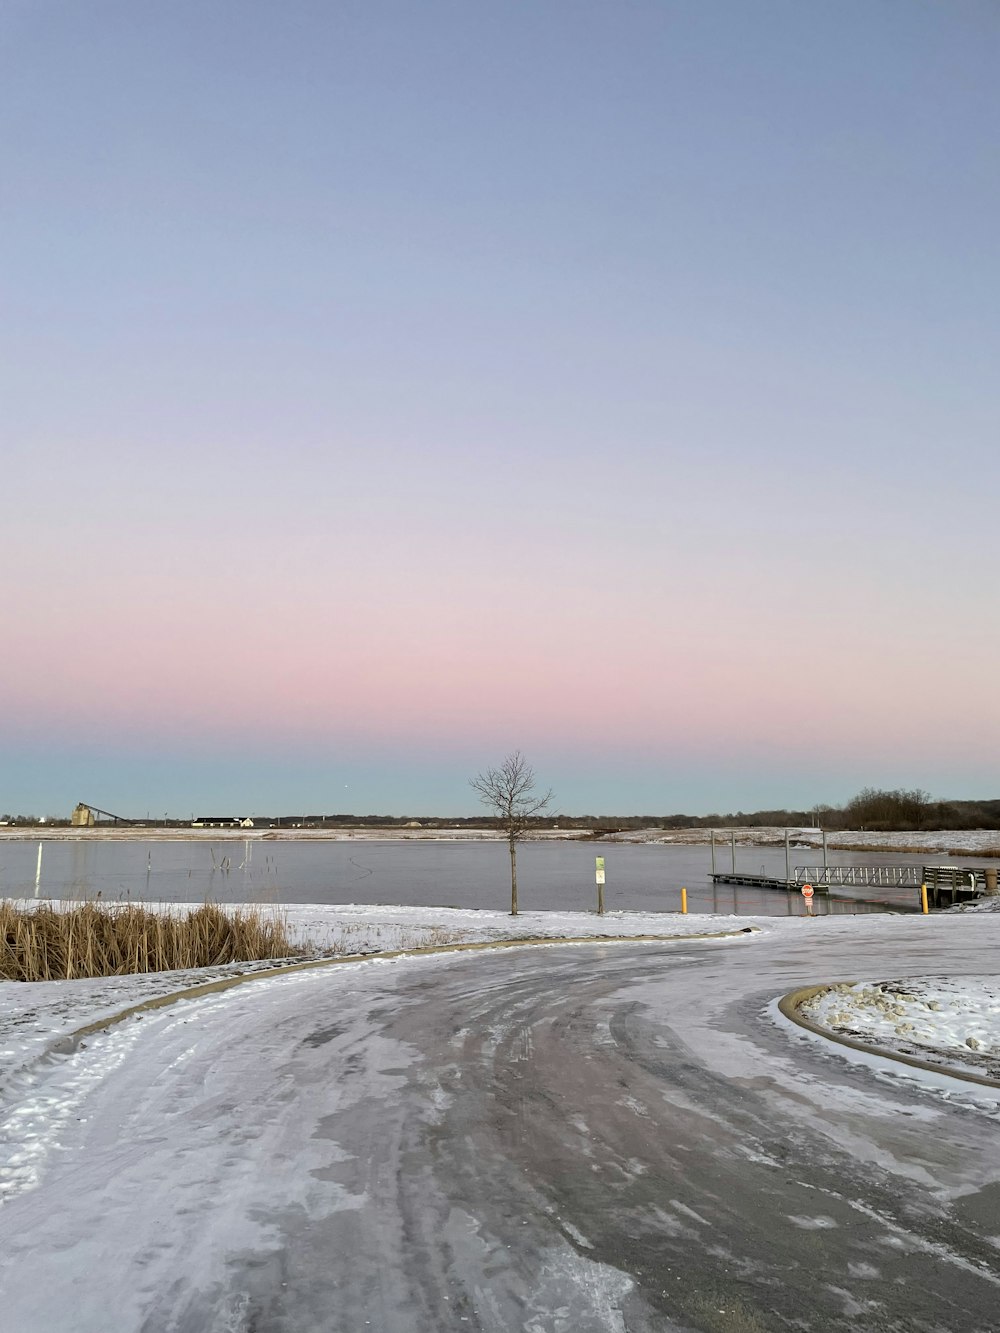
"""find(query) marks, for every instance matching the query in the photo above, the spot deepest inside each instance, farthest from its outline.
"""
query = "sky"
(387, 386)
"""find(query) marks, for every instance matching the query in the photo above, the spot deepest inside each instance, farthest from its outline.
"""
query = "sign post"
(807, 893)
(600, 885)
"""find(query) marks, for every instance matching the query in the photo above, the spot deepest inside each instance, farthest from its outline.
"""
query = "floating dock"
(763, 881)
(946, 885)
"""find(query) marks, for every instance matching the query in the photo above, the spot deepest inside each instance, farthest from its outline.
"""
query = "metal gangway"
(829, 877)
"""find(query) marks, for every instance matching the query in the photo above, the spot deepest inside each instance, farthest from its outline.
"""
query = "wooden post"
(600, 885)
(684, 900)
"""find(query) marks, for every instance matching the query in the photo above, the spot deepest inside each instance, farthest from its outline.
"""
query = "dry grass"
(43, 943)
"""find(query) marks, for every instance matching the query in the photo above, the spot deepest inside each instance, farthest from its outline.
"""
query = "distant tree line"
(873, 809)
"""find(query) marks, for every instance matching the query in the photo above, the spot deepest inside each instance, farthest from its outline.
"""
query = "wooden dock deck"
(762, 881)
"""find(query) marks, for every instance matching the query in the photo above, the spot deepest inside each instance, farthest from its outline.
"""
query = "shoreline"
(980, 843)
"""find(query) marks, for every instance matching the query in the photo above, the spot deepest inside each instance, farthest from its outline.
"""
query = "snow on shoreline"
(951, 1022)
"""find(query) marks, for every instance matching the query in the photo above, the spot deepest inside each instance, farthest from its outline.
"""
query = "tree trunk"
(513, 877)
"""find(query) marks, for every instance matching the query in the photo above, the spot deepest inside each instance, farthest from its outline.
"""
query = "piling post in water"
(713, 851)
(923, 899)
(684, 900)
(732, 840)
(38, 871)
(788, 875)
(825, 867)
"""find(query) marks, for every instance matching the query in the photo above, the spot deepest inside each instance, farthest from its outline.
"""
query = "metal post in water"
(38, 871)
(732, 838)
(824, 854)
(713, 851)
(788, 875)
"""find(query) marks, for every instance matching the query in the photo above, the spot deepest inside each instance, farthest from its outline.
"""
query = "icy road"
(561, 1139)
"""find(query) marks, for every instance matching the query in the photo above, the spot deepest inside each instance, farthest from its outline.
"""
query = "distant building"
(82, 817)
(221, 821)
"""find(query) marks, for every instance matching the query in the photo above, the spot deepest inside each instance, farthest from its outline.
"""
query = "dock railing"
(826, 877)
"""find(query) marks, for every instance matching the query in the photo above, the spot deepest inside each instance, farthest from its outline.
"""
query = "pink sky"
(360, 413)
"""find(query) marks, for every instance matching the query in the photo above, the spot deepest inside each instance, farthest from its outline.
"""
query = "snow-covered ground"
(186, 833)
(949, 1021)
(935, 1018)
(956, 842)
(360, 928)
(33, 1014)
(483, 1139)
(944, 841)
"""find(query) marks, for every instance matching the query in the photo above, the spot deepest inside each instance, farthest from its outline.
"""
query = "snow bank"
(949, 1021)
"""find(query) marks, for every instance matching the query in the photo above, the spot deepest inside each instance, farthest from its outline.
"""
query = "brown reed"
(41, 942)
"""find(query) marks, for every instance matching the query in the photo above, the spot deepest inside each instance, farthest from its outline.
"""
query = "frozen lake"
(552, 875)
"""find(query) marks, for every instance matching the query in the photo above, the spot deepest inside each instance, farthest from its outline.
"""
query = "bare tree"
(510, 792)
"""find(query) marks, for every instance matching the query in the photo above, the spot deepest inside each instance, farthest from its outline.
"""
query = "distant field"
(956, 842)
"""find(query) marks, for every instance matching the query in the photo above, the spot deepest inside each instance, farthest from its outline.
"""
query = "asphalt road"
(556, 1140)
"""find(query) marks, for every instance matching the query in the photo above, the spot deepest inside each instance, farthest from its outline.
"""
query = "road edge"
(69, 1041)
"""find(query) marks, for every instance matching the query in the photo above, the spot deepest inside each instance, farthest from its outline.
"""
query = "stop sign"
(807, 890)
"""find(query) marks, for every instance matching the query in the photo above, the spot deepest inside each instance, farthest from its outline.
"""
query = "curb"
(69, 1042)
(790, 1006)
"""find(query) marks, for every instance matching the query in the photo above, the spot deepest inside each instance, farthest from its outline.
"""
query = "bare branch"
(509, 791)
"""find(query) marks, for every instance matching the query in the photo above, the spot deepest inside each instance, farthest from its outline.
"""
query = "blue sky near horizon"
(383, 387)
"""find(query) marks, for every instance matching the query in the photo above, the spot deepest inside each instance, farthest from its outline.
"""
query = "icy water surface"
(552, 875)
